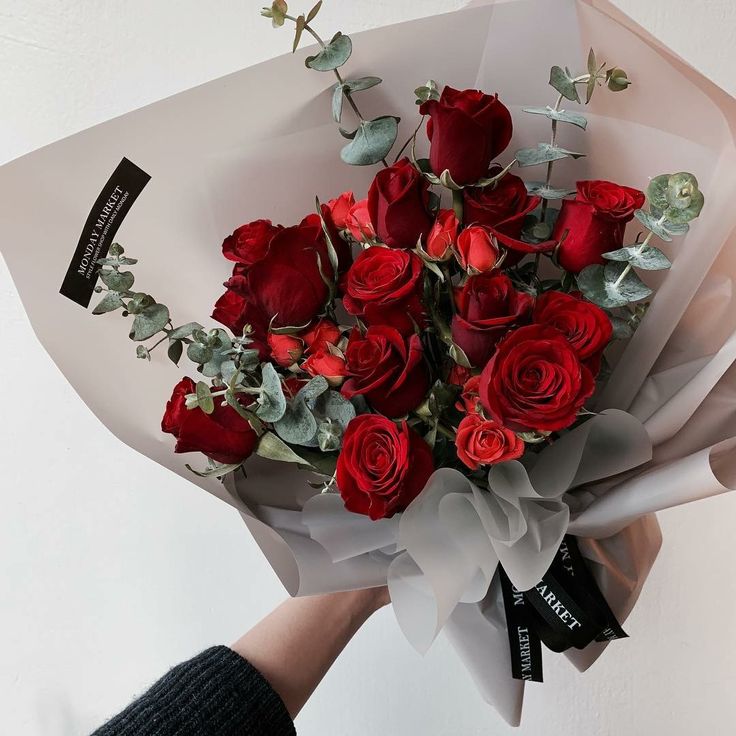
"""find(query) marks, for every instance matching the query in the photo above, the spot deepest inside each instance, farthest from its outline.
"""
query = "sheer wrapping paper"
(226, 152)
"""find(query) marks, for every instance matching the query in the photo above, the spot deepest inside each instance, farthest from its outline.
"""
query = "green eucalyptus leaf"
(204, 398)
(656, 225)
(657, 191)
(220, 353)
(540, 189)
(311, 390)
(337, 97)
(617, 80)
(298, 425)
(217, 472)
(198, 353)
(277, 13)
(109, 303)
(562, 81)
(592, 64)
(563, 116)
(272, 402)
(600, 284)
(622, 328)
(646, 257)
(333, 55)
(151, 320)
(372, 141)
(428, 91)
(184, 331)
(227, 370)
(543, 153)
(272, 447)
(142, 352)
(117, 280)
(458, 355)
(175, 350)
(138, 302)
(361, 83)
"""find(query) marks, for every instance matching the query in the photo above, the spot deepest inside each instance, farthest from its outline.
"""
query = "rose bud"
(488, 306)
(476, 251)
(398, 203)
(458, 375)
(359, 222)
(586, 326)
(469, 400)
(329, 364)
(482, 441)
(340, 209)
(442, 236)
(387, 369)
(249, 243)
(285, 349)
(322, 334)
(535, 381)
(382, 467)
(222, 435)
(595, 222)
(467, 130)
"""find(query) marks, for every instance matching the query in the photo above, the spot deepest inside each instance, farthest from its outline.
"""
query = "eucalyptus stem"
(337, 74)
(628, 268)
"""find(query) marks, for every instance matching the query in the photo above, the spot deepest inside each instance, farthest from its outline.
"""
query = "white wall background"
(112, 571)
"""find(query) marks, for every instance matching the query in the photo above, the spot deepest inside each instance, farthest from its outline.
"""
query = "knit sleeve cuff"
(216, 692)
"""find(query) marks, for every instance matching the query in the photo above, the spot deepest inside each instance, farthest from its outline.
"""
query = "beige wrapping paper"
(260, 143)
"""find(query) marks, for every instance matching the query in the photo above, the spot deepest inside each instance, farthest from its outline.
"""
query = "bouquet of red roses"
(450, 328)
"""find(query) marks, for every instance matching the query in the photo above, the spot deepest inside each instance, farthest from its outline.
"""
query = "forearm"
(295, 645)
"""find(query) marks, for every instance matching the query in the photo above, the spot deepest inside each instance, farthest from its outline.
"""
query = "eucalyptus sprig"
(566, 85)
(674, 201)
(373, 139)
(316, 417)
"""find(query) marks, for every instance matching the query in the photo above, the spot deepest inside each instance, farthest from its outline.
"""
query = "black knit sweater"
(216, 692)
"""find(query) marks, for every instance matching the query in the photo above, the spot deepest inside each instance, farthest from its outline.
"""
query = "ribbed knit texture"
(217, 692)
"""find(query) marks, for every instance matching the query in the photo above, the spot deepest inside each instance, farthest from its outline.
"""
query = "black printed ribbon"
(108, 212)
(565, 609)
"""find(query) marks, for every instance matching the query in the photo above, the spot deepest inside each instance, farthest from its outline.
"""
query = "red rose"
(586, 326)
(502, 208)
(535, 381)
(322, 334)
(595, 222)
(387, 369)
(488, 306)
(287, 285)
(249, 243)
(458, 375)
(383, 287)
(442, 236)
(398, 205)
(285, 349)
(235, 312)
(223, 435)
(482, 441)
(359, 222)
(327, 364)
(467, 130)
(382, 467)
(476, 251)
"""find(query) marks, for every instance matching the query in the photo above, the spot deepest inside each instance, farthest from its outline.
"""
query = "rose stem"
(340, 80)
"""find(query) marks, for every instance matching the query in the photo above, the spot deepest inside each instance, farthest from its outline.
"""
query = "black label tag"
(105, 217)
(524, 644)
